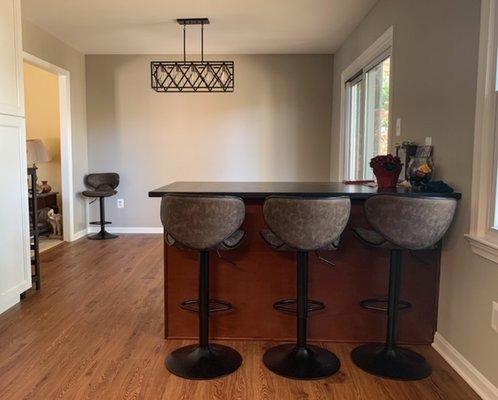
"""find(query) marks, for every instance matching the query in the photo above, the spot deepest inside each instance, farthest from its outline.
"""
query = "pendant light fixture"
(192, 76)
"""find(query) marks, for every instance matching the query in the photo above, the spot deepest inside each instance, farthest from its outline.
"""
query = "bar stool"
(102, 185)
(203, 223)
(399, 223)
(303, 224)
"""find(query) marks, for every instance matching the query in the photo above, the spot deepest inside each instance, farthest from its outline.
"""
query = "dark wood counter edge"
(160, 192)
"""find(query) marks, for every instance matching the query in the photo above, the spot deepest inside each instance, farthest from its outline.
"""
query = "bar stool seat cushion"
(410, 222)
(278, 244)
(230, 243)
(306, 223)
(373, 238)
(100, 191)
(203, 222)
(101, 184)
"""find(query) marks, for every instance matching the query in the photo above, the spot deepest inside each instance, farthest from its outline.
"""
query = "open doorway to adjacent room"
(48, 135)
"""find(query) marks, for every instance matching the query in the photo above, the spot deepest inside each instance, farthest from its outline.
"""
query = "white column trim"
(482, 239)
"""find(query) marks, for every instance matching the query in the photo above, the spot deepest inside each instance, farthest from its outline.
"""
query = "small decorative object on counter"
(386, 169)
(436, 187)
(405, 151)
(44, 187)
(420, 169)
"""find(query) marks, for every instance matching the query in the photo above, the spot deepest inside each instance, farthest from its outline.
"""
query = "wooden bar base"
(263, 276)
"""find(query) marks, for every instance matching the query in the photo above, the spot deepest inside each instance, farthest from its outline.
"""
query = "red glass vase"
(387, 179)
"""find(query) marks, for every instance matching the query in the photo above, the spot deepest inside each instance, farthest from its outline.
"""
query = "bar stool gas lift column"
(399, 223)
(203, 223)
(301, 225)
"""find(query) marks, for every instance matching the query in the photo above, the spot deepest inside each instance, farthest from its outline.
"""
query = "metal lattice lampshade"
(192, 76)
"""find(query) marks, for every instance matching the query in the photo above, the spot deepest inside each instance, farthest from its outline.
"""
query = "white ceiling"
(237, 26)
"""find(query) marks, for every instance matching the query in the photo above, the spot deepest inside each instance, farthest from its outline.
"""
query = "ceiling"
(237, 26)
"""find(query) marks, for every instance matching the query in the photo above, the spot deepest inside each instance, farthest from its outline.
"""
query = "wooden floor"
(95, 331)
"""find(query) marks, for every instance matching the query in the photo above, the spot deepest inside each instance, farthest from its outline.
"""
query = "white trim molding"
(381, 45)
(127, 229)
(477, 381)
(65, 143)
(79, 235)
(482, 239)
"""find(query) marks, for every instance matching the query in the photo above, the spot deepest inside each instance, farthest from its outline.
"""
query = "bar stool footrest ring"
(380, 304)
(289, 306)
(215, 305)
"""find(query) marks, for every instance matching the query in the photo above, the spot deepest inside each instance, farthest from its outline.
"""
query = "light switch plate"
(398, 127)
(120, 203)
(428, 141)
(494, 316)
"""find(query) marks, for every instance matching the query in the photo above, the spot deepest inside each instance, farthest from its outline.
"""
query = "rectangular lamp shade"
(37, 152)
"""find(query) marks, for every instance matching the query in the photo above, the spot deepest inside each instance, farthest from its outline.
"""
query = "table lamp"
(36, 152)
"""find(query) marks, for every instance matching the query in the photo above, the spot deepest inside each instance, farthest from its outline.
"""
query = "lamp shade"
(37, 152)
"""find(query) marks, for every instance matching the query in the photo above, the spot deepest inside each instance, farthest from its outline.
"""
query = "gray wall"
(435, 55)
(45, 46)
(275, 126)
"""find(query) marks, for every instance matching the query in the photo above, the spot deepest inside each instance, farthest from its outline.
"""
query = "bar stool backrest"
(95, 181)
(307, 224)
(201, 222)
(413, 223)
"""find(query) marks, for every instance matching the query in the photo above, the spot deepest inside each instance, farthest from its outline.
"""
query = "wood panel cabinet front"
(11, 72)
(15, 264)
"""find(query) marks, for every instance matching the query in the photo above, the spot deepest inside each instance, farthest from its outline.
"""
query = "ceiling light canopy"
(192, 76)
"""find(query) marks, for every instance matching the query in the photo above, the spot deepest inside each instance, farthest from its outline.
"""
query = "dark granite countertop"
(260, 190)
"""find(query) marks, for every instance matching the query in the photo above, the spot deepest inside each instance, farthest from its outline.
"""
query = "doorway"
(48, 119)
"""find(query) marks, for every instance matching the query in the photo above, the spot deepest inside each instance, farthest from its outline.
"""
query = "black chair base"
(195, 362)
(310, 362)
(102, 235)
(398, 363)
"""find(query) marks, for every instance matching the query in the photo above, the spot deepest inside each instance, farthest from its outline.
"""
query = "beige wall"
(43, 45)
(41, 99)
(275, 126)
(435, 54)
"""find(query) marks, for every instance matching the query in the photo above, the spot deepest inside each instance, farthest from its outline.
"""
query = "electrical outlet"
(428, 141)
(398, 127)
(494, 316)
(120, 203)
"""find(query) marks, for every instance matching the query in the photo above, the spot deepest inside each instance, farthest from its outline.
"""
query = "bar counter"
(262, 276)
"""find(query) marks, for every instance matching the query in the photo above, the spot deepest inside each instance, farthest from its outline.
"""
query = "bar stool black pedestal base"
(102, 235)
(195, 362)
(398, 363)
(310, 362)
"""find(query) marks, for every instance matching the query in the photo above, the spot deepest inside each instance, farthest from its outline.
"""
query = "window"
(483, 235)
(367, 116)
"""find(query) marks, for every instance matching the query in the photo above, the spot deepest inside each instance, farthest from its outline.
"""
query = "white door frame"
(66, 142)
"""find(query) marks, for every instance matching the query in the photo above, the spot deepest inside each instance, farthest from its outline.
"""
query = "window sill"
(484, 247)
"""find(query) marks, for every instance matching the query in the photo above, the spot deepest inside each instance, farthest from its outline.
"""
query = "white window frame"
(378, 49)
(482, 237)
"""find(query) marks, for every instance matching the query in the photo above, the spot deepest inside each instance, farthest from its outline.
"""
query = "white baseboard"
(126, 229)
(465, 369)
(78, 235)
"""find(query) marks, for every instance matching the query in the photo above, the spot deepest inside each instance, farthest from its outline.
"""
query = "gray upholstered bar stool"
(412, 223)
(301, 225)
(203, 223)
(101, 185)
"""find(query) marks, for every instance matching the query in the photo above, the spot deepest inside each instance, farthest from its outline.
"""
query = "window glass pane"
(368, 119)
(376, 113)
(355, 130)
